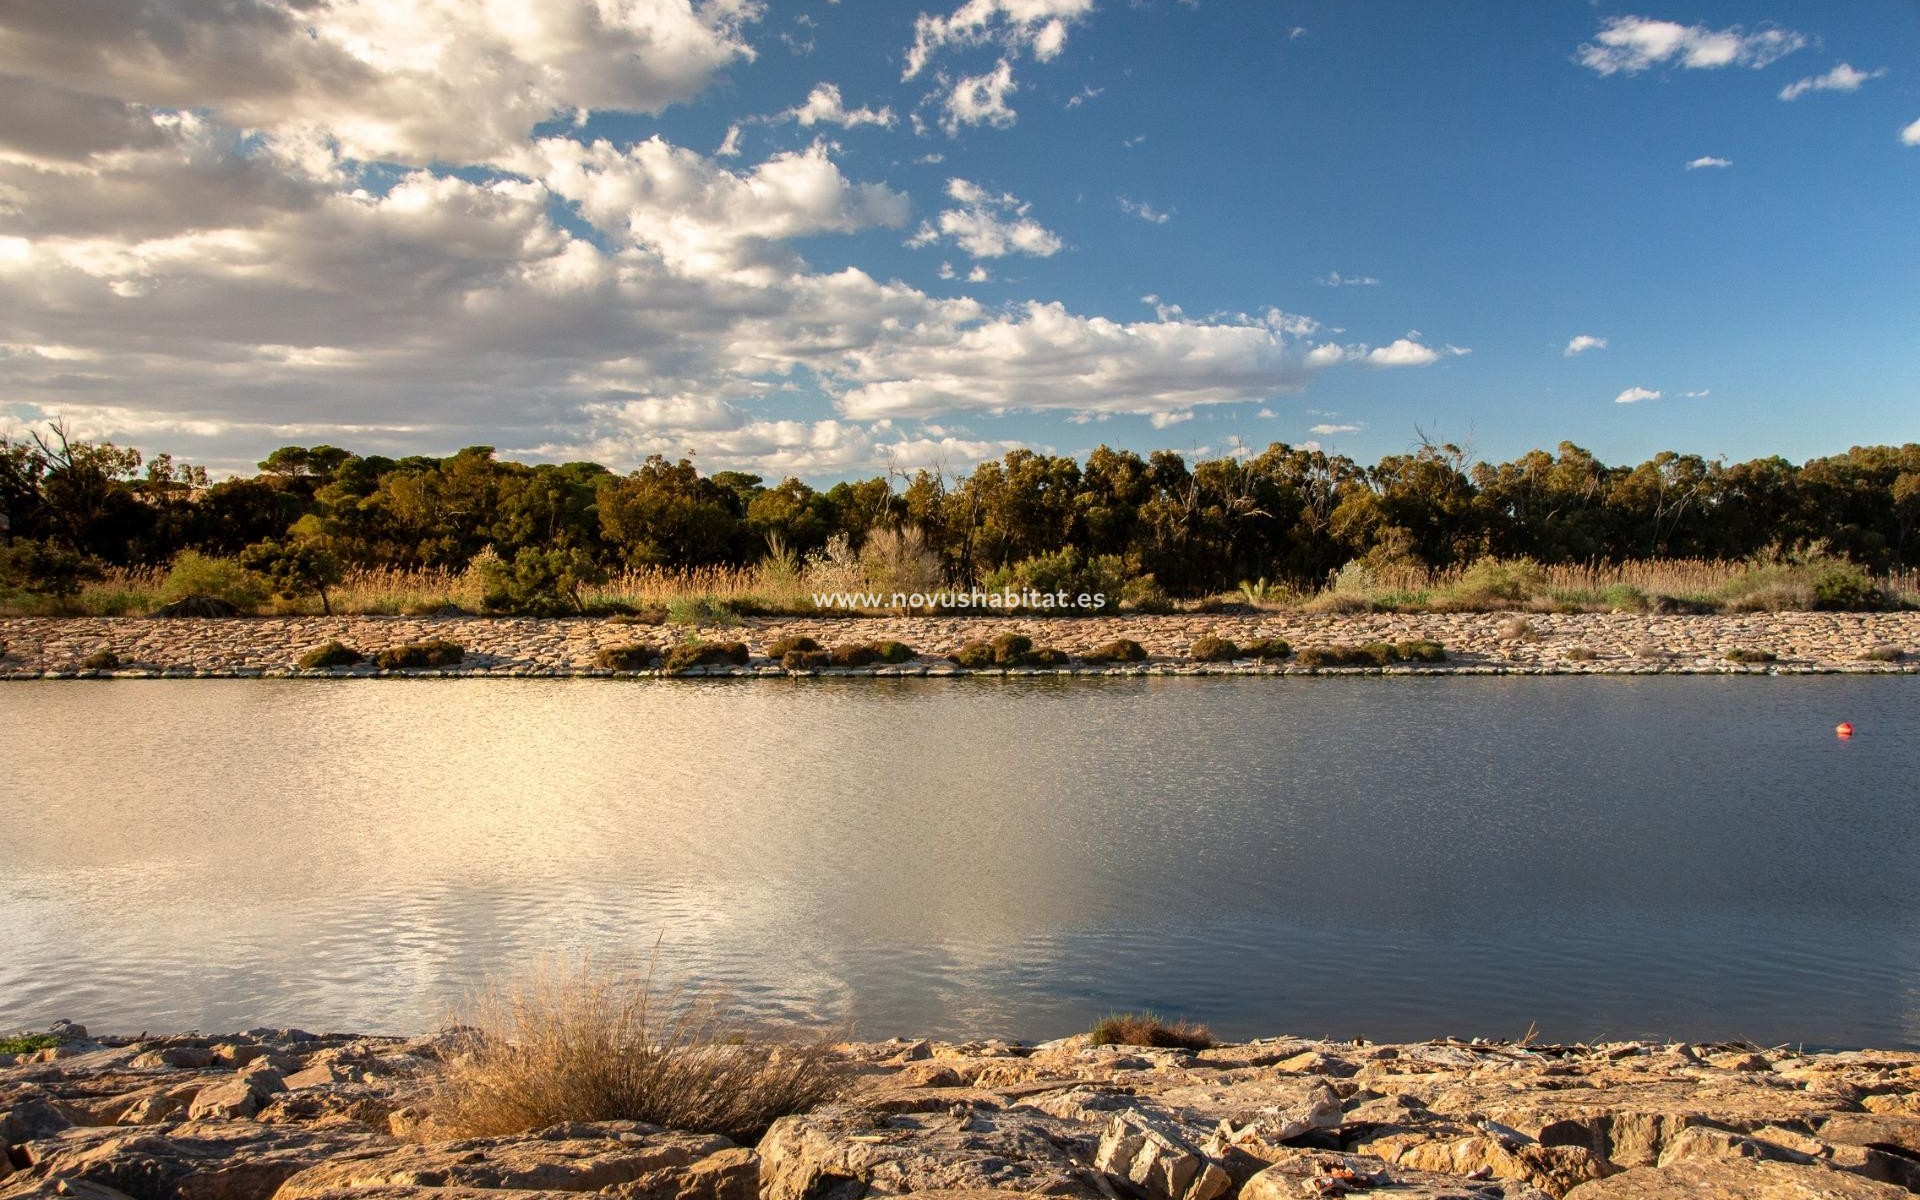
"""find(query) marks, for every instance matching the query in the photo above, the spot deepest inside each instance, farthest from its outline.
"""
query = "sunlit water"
(1389, 857)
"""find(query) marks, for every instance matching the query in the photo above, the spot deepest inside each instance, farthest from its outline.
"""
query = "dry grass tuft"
(579, 1042)
(1149, 1029)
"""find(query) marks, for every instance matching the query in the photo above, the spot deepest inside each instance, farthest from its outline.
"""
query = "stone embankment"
(285, 1115)
(1476, 643)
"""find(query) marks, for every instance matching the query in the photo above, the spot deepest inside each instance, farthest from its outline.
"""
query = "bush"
(688, 655)
(1518, 629)
(1494, 583)
(330, 654)
(538, 583)
(1067, 570)
(1046, 656)
(196, 606)
(196, 574)
(1148, 1029)
(1624, 597)
(101, 660)
(1747, 654)
(1882, 654)
(43, 568)
(1266, 649)
(293, 567)
(1143, 594)
(805, 660)
(583, 1044)
(1651, 650)
(640, 616)
(1580, 654)
(894, 653)
(1424, 650)
(1123, 650)
(1211, 648)
(434, 652)
(1846, 588)
(790, 643)
(634, 656)
(854, 656)
(701, 610)
(1010, 649)
(974, 656)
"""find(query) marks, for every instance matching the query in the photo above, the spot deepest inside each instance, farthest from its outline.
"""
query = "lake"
(1397, 858)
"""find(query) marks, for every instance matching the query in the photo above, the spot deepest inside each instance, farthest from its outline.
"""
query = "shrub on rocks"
(782, 647)
(1424, 650)
(1149, 1029)
(894, 653)
(974, 656)
(689, 655)
(196, 606)
(1886, 654)
(1046, 656)
(1372, 654)
(634, 656)
(1119, 650)
(434, 652)
(579, 1043)
(854, 656)
(1580, 654)
(1518, 629)
(1651, 650)
(1010, 649)
(101, 660)
(1748, 654)
(330, 654)
(805, 660)
(1212, 648)
(1267, 649)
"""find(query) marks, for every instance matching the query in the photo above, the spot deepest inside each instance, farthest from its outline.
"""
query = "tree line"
(1289, 513)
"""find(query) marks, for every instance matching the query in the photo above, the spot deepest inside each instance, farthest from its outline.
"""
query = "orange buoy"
(1844, 729)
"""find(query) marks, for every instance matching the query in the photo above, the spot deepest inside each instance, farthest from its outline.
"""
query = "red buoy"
(1844, 729)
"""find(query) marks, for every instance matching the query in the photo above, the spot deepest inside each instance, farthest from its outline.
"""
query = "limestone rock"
(1155, 1156)
(1736, 1179)
(1316, 1174)
(223, 1160)
(192, 1058)
(841, 1153)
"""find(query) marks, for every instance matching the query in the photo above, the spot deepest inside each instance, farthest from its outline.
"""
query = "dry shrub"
(1518, 629)
(1580, 653)
(1149, 1029)
(576, 1041)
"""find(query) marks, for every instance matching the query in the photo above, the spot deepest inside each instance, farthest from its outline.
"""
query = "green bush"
(1010, 649)
(1149, 1029)
(688, 655)
(1122, 650)
(539, 583)
(634, 656)
(196, 574)
(1212, 648)
(1846, 588)
(1624, 597)
(1143, 594)
(1067, 570)
(975, 656)
(101, 660)
(854, 656)
(702, 610)
(43, 568)
(1269, 648)
(330, 654)
(434, 652)
(893, 653)
(805, 660)
(1747, 654)
(1493, 583)
(1046, 656)
(793, 641)
(1424, 650)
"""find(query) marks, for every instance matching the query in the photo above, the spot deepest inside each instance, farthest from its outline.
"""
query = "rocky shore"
(288, 1115)
(1476, 643)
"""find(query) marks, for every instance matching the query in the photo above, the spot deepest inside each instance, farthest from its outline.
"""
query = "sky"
(827, 239)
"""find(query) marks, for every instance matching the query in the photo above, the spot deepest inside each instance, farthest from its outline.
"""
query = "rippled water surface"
(1389, 857)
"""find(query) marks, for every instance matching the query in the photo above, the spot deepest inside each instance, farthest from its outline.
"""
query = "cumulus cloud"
(1038, 26)
(1635, 395)
(987, 225)
(1910, 136)
(1583, 342)
(1629, 45)
(1408, 351)
(412, 81)
(1707, 161)
(824, 107)
(980, 100)
(1843, 78)
(1146, 212)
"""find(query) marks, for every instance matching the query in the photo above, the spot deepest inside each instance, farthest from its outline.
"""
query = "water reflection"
(1388, 857)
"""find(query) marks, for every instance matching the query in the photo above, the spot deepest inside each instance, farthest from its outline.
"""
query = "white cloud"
(1843, 78)
(1634, 395)
(1328, 430)
(980, 100)
(729, 145)
(412, 81)
(1910, 136)
(1583, 342)
(1146, 212)
(1162, 420)
(1266, 414)
(824, 107)
(1706, 161)
(1336, 279)
(987, 225)
(1039, 26)
(1633, 44)
(1703, 392)
(978, 274)
(1083, 95)
(1408, 351)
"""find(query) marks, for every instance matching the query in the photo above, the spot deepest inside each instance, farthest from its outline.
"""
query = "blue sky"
(1211, 194)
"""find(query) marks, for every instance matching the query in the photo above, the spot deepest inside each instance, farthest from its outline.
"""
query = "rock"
(1314, 1174)
(1553, 1169)
(566, 1158)
(236, 1098)
(1870, 1129)
(186, 1057)
(731, 1174)
(841, 1153)
(1736, 1179)
(58, 1189)
(29, 1116)
(1155, 1156)
(195, 1161)
(1703, 1141)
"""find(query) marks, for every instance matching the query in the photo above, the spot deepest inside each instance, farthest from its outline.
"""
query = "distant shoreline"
(1799, 643)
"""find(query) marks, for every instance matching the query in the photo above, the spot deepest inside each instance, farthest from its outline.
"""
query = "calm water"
(1389, 857)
